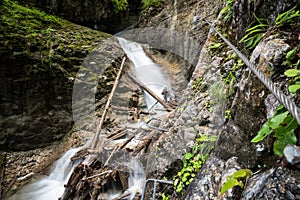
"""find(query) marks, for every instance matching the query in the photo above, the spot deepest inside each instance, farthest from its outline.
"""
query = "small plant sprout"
(236, 179)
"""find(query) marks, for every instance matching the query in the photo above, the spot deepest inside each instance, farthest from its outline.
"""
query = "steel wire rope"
(288, 103)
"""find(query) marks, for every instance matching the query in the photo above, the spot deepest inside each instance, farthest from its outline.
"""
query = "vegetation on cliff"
(40, 56)
(43, 37)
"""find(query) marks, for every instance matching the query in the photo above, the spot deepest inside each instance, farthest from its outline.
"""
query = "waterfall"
(146, 71)
(136, 178)
(50, 187)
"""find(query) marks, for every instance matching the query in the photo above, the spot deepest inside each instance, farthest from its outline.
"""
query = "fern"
(287, 17)
(255, 33)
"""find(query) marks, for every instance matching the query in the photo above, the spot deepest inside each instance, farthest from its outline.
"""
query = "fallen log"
(99, 127)
(144, 87)
(96, 175)
(126, 142)
(146, 142)
(115, 133)
(119, 135)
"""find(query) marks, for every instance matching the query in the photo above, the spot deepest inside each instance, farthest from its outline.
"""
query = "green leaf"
(292, 72)
(256, 27)
(176, 182)
(206, 138)
(262, 133)
(242, 173)
(275, 121)
(280, 144)
(256, 41)
(289, 124)
(279, 110)
(294, 88)
(235, 179)
(230, 183)
(215, 46)
(185, 177)
(291, 54)
(188, 156)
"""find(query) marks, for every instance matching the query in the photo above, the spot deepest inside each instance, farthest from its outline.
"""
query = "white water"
(50, 187)
(146, 71)
(136, 178)
(150, 74)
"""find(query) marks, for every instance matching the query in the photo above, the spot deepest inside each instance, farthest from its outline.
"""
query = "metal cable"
(288, 104)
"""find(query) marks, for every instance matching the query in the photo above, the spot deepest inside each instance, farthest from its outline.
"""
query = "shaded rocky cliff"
(40, 55)
(106, 16)
(222, 108)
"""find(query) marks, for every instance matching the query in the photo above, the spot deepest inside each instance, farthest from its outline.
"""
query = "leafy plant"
(198, 85)
(165, 196)
(236, 179)
(227, 10)
(215, 46)
(227, 114)
(230, 79)
(295, 74)
(287, 17)
(283, 125)
(151, 3)
(255, 33)
(120, 5)
(193, 162)
(289, 57)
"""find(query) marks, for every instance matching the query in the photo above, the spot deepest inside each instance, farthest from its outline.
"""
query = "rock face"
(233, 111)
(96, 14)
(37, 72)
(249, 105)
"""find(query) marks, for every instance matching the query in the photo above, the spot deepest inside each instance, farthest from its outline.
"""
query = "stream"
(52, 187)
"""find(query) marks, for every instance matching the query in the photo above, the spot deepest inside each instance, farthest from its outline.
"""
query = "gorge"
(56, 78)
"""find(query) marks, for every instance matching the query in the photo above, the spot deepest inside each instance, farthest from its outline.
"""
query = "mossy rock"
(40, 56)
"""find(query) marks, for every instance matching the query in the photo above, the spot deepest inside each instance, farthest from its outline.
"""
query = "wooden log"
(115, 133)
(126, 142)
(131, 110)
(97, 175)
(144, 87)
(119, 135)
(146, 142)
(99, 127)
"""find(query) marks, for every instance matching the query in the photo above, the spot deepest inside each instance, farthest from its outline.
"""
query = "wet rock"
(233, 142)
(208, 182)
(292, 154)
(276, 183)
(252, 92)
(96, 14)
(36, 87)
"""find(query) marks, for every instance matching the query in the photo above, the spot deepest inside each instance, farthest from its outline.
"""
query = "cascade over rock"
(222, 99)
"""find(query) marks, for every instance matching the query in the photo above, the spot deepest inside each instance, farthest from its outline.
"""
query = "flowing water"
(146, 71)
(136, 178)
(52, 187)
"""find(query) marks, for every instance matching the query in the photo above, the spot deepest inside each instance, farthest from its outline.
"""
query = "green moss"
(151, 3)
(43, 40)
(120, 5)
